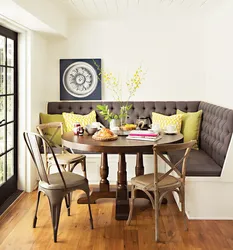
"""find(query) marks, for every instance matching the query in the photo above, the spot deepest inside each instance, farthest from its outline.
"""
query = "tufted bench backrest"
(139, 109)
(216, 128)
(216, 131)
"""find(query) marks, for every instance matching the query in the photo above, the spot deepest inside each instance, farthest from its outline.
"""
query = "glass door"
(8, 113)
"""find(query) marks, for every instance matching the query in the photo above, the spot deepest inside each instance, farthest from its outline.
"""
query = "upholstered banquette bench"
(215, 132)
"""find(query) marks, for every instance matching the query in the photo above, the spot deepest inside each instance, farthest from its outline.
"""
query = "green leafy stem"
(105, 112)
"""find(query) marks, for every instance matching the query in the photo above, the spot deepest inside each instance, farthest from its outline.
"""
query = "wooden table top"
(121, 145)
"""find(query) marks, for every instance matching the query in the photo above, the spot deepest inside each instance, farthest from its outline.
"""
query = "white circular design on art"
(80, 79)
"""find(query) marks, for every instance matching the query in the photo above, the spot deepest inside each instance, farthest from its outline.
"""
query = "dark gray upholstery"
(198, 163)
(216, 131)
(215, 134)
(139, 109)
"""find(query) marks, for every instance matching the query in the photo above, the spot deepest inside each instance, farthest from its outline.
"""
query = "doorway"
(8, 113)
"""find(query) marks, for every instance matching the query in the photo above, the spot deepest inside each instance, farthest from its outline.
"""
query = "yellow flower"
(132, 84)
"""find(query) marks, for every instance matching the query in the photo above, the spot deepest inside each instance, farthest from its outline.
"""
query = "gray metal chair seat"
(72, 181)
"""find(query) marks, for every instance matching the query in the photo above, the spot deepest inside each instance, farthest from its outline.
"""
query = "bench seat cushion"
(198, 163)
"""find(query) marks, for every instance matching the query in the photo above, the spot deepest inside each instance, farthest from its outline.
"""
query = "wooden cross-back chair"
(55, 186)
(66, 159)
(162, 183)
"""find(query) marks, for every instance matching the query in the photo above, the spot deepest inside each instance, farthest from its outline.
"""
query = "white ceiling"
(111, 9)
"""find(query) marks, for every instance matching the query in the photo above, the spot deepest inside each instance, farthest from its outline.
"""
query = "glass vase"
(124, 115)
(124, 118)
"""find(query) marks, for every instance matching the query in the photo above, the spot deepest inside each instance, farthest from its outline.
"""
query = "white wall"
(37, 93)
(46, 13)
(218, 49)
(169, 47)
(32, 99)
(20, 16)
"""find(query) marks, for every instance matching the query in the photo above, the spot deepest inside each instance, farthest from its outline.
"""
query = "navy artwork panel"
(94, 63)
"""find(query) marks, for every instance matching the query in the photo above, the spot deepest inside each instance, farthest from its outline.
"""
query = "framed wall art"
(80, 79)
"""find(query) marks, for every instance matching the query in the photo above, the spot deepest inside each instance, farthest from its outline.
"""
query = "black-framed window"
(8, 113)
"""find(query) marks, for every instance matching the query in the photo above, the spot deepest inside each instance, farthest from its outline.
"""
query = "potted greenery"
(113, 119)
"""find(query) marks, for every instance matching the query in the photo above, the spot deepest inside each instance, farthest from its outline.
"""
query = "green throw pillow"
(46, 118)
(190, 128)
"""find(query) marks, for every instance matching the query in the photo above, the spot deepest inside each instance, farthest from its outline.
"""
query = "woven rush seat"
(146, 181)
(68, 158)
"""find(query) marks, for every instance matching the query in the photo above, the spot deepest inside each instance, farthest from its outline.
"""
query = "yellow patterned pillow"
(165, 120)
(84, 120)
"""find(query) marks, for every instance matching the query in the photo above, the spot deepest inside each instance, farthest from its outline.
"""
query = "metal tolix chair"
(55, 186)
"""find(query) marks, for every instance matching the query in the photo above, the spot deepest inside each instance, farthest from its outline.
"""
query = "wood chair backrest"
(160, 149)
(57, 127)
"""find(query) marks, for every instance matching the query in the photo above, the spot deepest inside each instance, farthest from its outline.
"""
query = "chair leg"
(83, 164)
(68, 202)
(68, 167)
(182, 190)
(37, 206)
(89, 208)
(156, 200)
(131, 205)
(55, 208)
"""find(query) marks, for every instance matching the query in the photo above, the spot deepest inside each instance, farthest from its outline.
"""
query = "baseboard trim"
(208, 218)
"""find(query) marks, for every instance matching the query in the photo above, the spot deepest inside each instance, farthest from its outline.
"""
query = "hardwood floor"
(74, 232)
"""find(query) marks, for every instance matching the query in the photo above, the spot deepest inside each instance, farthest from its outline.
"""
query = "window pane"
(2, 140)
(10, 81)
(10, 164)
(2, 169)
(10, 52)
(2, 50)
(2, 108)
(10, 136)
(2, 80)
(10, 108)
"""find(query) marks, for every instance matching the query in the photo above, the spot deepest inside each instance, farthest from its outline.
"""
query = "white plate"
(170, 133)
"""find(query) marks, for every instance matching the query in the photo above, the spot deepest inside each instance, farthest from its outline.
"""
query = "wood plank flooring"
(74, 232)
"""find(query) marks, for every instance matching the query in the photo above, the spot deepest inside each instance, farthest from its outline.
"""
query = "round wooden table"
(120, 146)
